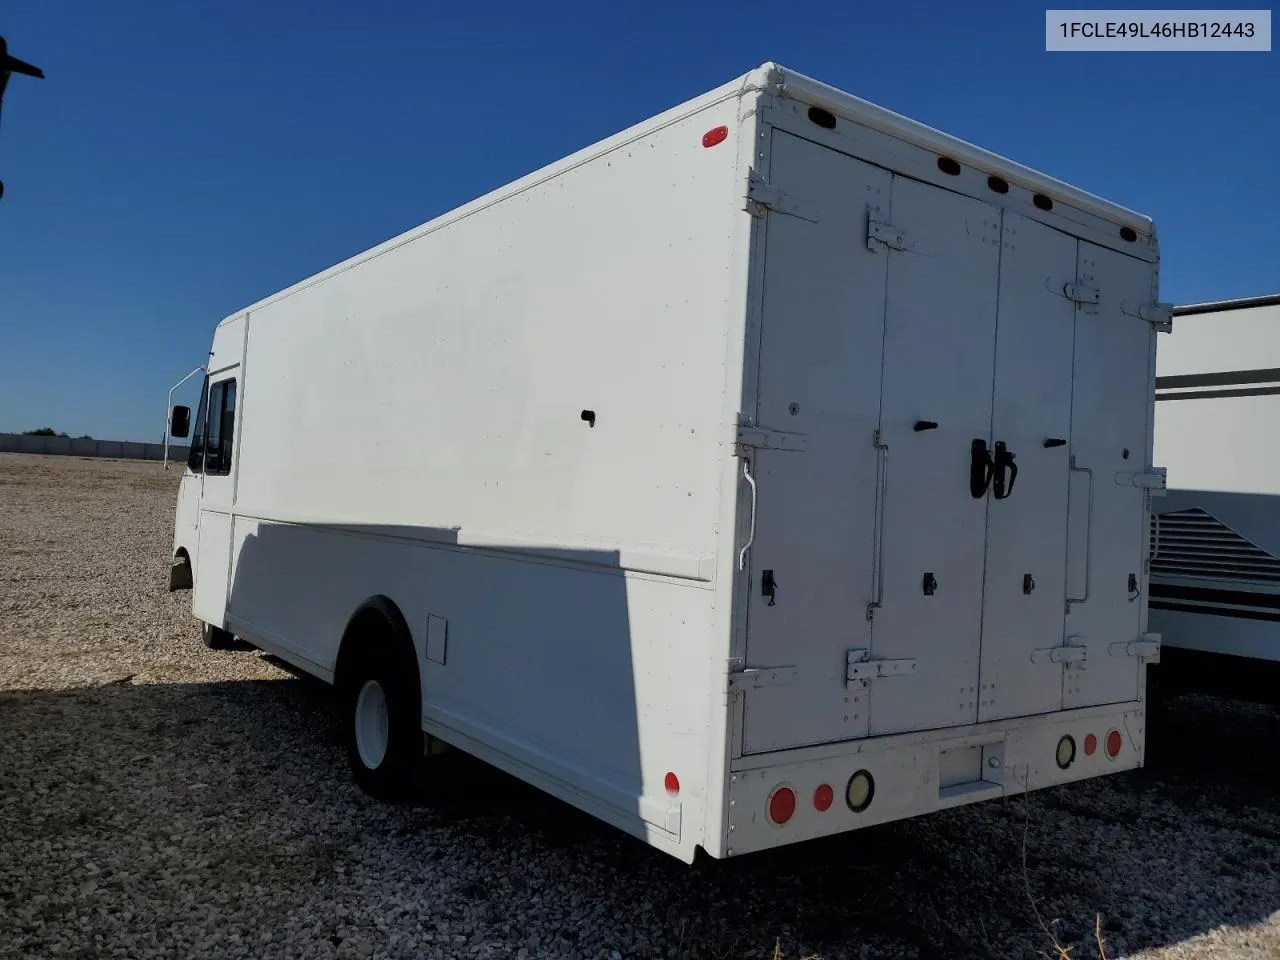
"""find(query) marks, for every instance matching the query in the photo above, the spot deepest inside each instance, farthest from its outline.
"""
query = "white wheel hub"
(372, 723)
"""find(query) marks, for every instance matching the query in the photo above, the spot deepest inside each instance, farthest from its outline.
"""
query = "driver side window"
(195, 459)
(212, 444)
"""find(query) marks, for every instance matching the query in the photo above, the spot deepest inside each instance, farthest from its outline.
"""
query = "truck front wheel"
(215, 638)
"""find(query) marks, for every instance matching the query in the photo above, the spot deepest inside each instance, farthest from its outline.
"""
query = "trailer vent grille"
(1193, 543)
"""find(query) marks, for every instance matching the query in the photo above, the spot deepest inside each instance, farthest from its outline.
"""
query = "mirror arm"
(168, 411)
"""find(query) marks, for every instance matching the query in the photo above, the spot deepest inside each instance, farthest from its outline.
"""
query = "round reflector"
(1114, 743)
(859, 792)
(822, 797)
(782, 805)
(1066, 752)
(1090, 745)
(672, 783)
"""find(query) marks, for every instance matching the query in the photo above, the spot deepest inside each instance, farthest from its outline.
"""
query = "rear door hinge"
(1159, 315)
(1153, 479)
(758, 438)
(761, 197)
(1081, 292)
(751, 678)
(859, 665)
(1146, 648)
(886, 235)
(1073, 651)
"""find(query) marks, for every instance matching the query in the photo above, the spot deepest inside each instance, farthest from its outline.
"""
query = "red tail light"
(1114, 743)
(782, 805)
(822, 798)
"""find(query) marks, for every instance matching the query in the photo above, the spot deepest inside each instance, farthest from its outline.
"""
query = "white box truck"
(1215, 573)
(776, 467)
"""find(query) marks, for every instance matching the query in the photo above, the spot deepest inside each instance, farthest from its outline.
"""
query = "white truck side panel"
(559, 664)
(603, 290)
(434, 398)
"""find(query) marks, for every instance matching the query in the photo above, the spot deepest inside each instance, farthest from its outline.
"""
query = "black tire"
(380, 669)
(215, 638)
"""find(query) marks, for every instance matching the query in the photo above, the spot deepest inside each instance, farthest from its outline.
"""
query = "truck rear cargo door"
(940, 341)
(1110, 413)
(1071, 407)
(819, 379)
(1024, 593)
(945, 416)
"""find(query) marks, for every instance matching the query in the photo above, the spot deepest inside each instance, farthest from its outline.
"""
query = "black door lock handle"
(981, 469)
(769, 587)
(1002, 464)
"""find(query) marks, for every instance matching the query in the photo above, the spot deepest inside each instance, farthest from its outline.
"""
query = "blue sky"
(184, 159)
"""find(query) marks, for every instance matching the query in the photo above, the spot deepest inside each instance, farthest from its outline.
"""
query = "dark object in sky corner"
(9, 66)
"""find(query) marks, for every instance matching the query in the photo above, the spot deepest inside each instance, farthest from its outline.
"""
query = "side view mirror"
(180, 422)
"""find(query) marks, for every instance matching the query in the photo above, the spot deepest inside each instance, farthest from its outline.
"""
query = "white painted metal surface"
(701, 460)
(1215, 573)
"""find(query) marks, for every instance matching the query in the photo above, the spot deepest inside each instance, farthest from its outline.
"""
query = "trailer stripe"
(1242, 598)
(1214, 394)
(1225, 378)
(1231, 612)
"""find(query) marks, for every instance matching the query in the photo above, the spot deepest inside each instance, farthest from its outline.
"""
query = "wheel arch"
(181, 571)
(378, 621)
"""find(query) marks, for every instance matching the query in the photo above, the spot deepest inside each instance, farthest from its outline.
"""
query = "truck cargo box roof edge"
(816, 93)
(740, 86)
(769, 77)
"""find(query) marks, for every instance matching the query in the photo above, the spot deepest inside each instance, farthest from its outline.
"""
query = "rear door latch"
(1073, 651)
(881, 234)
(1146, 648)
(860, 666)
(1081, 292)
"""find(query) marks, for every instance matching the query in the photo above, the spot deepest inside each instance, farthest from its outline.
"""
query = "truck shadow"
(239, 791)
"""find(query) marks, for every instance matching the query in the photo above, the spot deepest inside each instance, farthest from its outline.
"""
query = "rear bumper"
(920, 773)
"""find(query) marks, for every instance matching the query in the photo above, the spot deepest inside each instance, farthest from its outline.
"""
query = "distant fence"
(70, 446)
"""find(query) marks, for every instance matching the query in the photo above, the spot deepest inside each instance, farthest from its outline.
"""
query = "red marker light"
(822, 798)
(715, 135)
(672, 783)
(1090, 745)
(1114, 743)
(782, 805)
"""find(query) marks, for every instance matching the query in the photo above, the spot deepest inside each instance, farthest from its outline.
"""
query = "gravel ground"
(161, 800)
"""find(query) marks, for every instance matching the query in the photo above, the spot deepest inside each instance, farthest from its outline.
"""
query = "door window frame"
(217, 399)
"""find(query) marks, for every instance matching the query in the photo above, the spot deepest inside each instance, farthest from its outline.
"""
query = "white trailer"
(1215, 573)
(776, 467)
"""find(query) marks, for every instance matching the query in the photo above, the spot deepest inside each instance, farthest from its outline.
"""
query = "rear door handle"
(981, 469)
(1002, 464)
